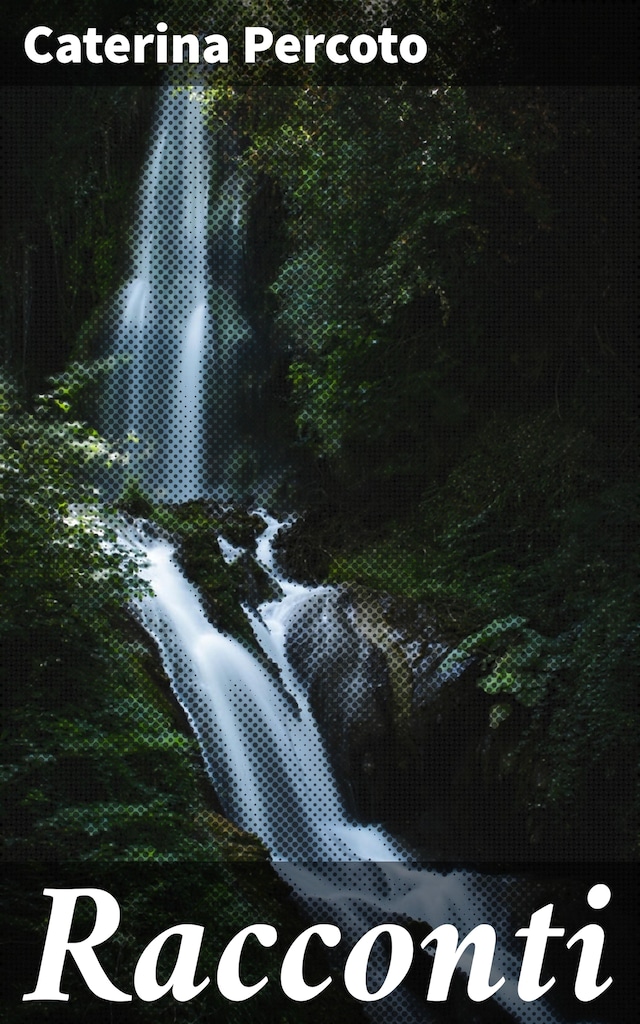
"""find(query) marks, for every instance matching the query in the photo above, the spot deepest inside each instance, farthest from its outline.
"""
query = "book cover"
(319, 484)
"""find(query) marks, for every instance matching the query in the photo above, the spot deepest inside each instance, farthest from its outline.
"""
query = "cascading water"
(273, 776)
(164, 336)
(179, 339)
(257, 733)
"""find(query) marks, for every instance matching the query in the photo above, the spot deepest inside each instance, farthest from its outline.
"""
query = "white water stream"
(273, 776)
(164, 338)
(259, 740)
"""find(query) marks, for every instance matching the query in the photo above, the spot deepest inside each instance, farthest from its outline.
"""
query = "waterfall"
(273, 775)
(178, 339)
(261, 745)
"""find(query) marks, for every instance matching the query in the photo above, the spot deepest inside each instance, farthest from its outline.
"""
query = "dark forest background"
(444, 280)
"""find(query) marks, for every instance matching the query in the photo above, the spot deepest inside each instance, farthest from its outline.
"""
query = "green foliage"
(61, 563)
(452, 254)
(396, 201)
(93, 765)
(516, 660)
(98, 765)
(526, 556)
(453, 261)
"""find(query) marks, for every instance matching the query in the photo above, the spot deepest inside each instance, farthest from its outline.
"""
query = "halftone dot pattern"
(176, 398)
(341, 675)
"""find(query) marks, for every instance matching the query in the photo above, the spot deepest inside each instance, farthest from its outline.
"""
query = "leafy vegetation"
(99, 766)
(526, 556)
(456, 311)
(442, 279)
(93, 755)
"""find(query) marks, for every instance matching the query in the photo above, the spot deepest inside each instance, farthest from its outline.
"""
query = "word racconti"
(288, 49)
(450, 953)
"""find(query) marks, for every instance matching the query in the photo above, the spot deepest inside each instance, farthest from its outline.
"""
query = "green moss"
(196, 527)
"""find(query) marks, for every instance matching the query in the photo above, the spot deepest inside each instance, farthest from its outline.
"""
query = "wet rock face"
(348, 687)
(406, 726)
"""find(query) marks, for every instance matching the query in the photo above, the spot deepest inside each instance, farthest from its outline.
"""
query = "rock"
(349, 690)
